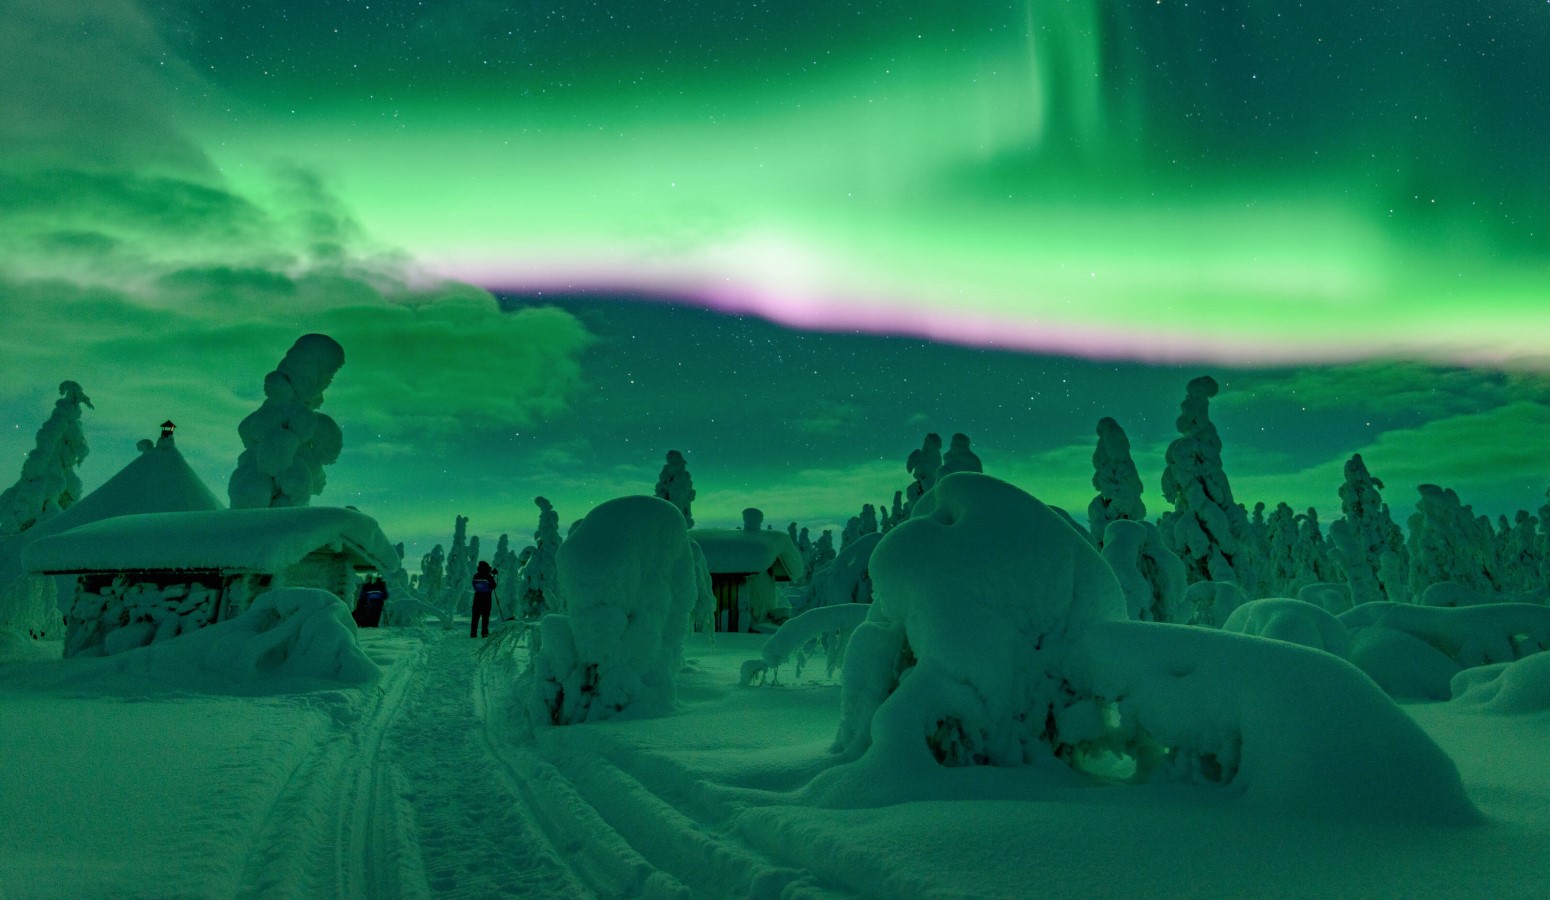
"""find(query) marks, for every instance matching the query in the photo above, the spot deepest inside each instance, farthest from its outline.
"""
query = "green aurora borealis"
(1355, 194)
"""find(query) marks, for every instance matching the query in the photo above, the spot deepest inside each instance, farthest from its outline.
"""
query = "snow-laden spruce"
(999, 637)
(1207, 528)
(628, 580)
(1116, 480)
(676, 485)
(1367, 546)
(923, 465)
(1448, 544)
(538, 584)
(48, 483)
(286, 441)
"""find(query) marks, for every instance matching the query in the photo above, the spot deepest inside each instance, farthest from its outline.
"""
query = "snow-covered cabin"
(158, 480)
(160, 574)
(745, 567)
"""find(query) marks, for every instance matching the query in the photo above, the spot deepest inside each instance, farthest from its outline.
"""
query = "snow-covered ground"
(423, 783)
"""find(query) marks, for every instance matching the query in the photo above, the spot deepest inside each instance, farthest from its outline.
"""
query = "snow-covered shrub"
(999, 637)
(676, 486)
(826, 628)
(1414, 651)
(1207, 529)
(1292, 621)
(1148, 572)
(1116, 480)
(48, 484)
(288, 633)
(286, 441)
(627, 575)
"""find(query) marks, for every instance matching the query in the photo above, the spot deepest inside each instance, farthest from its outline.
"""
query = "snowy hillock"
(290, 638)
(1292, 621)
(1514, 688)
(999, 638)
(1414, 652)
(629, 584)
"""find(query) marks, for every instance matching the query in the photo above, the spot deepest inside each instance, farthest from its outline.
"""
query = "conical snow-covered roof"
(158, 480)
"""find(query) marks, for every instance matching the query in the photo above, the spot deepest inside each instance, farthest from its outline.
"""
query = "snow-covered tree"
(630, 585)
(676, 486)
(1312, 551)
(1149, 573)
(1448, 544)
(287, 442)
(753, 519)
(48, 483)
(851, 533)
(505, 563)
(923, 464)
(1207, 529)
(896, 513)
(432, 576)
(538, 584)
(1116, 480)
(823, 550)
(868, 519)
(959, 458)
(1363, 541)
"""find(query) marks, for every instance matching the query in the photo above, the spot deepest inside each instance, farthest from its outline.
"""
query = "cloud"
(1389, 387)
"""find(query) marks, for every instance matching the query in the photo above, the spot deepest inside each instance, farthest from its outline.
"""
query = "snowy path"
(475, 837)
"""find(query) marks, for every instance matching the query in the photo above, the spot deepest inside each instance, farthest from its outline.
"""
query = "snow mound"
(1292, 621)
(1331, 596)
(1274, 723)
(1511, 688)
(628, 579)
(287, 634)
(1415, 651)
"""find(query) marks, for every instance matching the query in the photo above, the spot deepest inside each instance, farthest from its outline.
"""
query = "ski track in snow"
(475, 836)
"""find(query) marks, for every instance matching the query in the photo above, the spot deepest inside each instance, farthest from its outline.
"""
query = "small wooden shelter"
(181, 570)
(745, 567)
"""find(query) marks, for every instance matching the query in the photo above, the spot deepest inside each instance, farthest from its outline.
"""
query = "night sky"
(557, 240)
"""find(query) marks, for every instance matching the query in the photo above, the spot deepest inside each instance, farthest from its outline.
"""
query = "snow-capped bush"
(1116, 480)
(48, 484)
(1148, 572)
(628, 578)
(1292, 621)
(286, 441)
(676, 486)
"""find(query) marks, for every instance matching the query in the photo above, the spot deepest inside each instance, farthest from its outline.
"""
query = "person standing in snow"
(484, 593)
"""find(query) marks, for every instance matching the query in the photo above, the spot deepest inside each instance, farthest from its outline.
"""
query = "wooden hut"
(745, 568)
